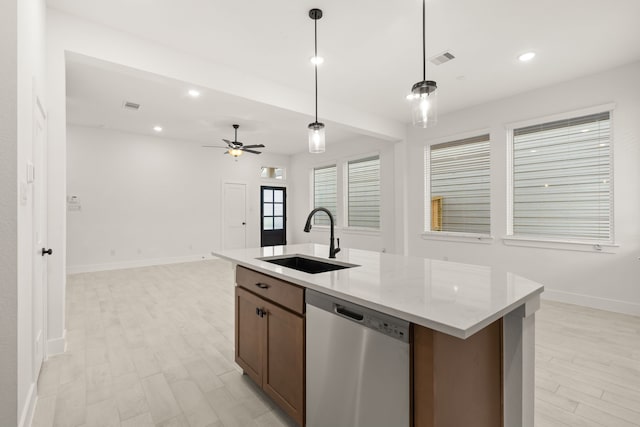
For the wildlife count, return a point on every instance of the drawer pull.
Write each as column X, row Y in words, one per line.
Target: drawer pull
column 262, row 285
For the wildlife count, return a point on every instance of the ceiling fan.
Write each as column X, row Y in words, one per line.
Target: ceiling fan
column 235, row 147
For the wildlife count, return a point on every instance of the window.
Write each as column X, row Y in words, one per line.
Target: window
column 562, row 179
column 458, row 198
column 273, row 208
column 363, row 192
column 325, row 193
column 271, row 172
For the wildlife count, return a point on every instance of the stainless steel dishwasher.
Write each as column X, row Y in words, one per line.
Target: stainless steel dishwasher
column 357, row 365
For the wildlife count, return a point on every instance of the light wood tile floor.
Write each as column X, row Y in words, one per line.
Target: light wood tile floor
column 154, row 347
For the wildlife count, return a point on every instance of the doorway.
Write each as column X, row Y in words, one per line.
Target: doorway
column 273, row 218
column 234, row 228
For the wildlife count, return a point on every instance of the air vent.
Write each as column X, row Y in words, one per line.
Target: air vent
column 441, row 58
column 128, row 105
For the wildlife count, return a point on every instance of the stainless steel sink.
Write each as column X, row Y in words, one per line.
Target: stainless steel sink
column 307, row 264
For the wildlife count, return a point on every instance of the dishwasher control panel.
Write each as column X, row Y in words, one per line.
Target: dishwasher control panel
column 380, row 322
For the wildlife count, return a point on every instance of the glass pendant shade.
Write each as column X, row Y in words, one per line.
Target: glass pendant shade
column 424, row 100
column 235, row 152
column 316, row 138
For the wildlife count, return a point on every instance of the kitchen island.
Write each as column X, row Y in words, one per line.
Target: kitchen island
column 472, row 326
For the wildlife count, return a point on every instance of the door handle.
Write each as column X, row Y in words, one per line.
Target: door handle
column 345, row 312
column 46, row 252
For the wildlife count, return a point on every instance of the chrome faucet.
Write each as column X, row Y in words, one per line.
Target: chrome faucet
column 307, row 227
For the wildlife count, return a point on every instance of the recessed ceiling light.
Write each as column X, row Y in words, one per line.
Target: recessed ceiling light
column 157, row 128
column 316, row 60
column 526, row 56
column 194, row 93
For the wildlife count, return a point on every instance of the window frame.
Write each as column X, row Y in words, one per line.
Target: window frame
column 590, row 245
column 455, row 236
column 345, row 193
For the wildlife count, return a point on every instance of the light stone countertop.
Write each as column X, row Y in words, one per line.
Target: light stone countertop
column 449, row 297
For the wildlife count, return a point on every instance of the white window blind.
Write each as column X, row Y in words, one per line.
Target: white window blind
column 562, row 179
column 460, row 186
column 325, row 194
column 363, row 192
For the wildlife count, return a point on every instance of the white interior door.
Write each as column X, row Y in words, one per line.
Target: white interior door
column 235, row 216
column 37, row 175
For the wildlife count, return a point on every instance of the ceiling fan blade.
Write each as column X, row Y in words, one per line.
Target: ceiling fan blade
column 254, row 146
column 251, row 151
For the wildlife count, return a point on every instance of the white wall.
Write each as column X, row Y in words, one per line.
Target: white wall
column 21, row 75
column 8, row 214
column 147, row 200
column 604, row 280
column 300, row 195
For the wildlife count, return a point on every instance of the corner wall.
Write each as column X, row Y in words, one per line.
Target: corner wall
column 601, row 280
column 8, row 213
column 21, row 77
column 148, row 200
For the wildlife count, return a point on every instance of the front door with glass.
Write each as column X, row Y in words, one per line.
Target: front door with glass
column 273, row 208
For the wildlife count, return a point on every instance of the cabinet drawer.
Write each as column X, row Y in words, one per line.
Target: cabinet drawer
column 284, row 293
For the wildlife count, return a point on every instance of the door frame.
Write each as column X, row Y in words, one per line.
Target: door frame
column 285, row 208
column 222, row 213
column 39, row 170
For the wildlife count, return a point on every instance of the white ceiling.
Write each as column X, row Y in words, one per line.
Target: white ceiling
column 372, row 48
column 97, row 90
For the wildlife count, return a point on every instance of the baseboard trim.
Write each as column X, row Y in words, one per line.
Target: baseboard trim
column 57, row 345
column 90, row 268
column 616, row 306
column 29, row 406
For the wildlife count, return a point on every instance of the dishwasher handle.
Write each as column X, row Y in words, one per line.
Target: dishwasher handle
column 349, row 314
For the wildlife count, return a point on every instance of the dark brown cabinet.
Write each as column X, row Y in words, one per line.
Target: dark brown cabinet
column 451, row 373
column 270, row 340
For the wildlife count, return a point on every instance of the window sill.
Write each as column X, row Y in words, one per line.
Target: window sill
column 458, row 237
column 567, row 245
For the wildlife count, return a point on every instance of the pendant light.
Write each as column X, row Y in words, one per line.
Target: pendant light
column 316, row 129
column 424, row 97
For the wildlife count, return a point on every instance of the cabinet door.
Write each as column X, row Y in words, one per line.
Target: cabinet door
column 283, row 376
column 250, row 334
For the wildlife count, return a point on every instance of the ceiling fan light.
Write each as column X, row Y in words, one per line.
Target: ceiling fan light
column 235, row 152
column 424, row 102
column 316, row 60
column 316, row 138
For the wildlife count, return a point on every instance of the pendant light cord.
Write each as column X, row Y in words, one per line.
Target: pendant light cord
column 424, row 40
column 315, row 31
